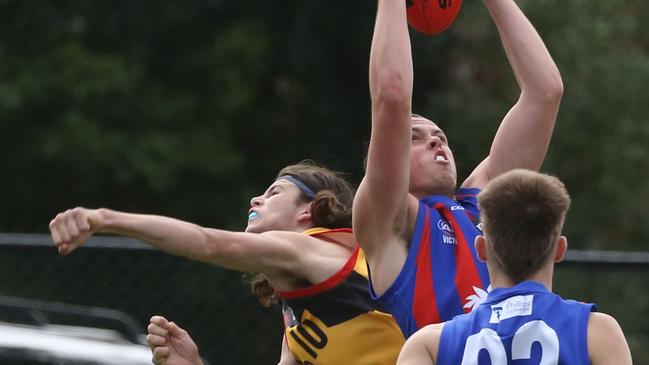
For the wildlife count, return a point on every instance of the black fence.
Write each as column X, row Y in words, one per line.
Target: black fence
column 226, row 322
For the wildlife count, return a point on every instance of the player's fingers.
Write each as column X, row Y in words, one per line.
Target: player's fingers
column 60, row 224
column 71, row 225
column 174, row 330
column 160, row 354
column 65, row 248
column 81, row 219
column 159, row 320
column 154, row 329
column 155, row 340
column 54, row 231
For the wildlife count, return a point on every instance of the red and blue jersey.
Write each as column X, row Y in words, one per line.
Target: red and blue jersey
column 442, row 276
column 519, row 325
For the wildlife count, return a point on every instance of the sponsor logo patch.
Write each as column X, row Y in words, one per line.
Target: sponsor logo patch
column 520, row 305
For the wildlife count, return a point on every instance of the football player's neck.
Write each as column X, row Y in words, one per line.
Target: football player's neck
column 501, row 280
column 426, row 191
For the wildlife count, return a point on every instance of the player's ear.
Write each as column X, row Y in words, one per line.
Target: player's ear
column 561, row 248
column 304, row 212
column 480, row 243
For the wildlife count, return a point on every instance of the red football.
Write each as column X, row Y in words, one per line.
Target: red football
column 432, row 16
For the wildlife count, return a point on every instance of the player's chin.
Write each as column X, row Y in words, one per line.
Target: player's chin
column 445, row 170
column 253, row 227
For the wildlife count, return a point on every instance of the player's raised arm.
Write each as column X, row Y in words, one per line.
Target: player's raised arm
column 380, row 207
column 524, row 135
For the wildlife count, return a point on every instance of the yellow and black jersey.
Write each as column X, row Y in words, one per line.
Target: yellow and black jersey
column 335, row 322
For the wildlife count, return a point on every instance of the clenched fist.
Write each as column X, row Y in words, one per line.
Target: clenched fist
column 70, row 229
column 170, row 344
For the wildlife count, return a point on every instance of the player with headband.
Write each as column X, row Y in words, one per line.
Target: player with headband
column 298, row 238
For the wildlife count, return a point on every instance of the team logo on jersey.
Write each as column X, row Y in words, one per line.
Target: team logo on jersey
column 474, row 300
column 445, row 226
column 448, row 234
column 520, row 305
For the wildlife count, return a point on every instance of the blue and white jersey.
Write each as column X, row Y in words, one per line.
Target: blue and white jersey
column 524, row 324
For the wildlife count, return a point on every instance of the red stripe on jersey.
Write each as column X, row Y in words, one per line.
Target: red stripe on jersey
column 334, row 280
column 424, row 306
column 466, row 272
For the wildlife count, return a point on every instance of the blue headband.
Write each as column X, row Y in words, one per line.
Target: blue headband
column 300, row 185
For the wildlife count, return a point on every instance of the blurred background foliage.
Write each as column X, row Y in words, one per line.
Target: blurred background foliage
column 189, row 108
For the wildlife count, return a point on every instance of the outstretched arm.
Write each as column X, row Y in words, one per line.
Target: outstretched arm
column 381, row 203
column 268, row 252
column 170, row 344
column 524, row 134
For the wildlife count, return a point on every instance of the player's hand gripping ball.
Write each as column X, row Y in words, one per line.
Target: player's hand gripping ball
column 432, row 16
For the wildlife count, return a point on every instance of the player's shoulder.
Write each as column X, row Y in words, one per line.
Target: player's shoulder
column 424, row 341
column 431, row 330
column 427, row 336
column 603, row 331
column 606, row 341
column 602, row 323
column 296, row 242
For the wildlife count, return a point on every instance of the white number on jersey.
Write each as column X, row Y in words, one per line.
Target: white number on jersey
column 533, row 331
